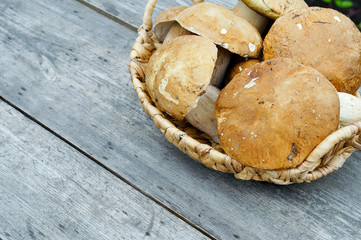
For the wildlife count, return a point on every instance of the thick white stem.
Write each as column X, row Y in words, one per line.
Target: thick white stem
column 350, row 109
column 219, row 71
column 202, row 116
column 258, row 21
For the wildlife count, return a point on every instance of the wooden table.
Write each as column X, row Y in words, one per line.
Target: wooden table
column 79, row 159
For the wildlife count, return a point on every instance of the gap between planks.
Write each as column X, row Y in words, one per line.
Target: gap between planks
column 106, row 168
column 104, row 13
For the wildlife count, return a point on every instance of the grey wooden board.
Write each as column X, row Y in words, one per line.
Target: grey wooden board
column 131, row 11
column 75, row 80
column 48, row 190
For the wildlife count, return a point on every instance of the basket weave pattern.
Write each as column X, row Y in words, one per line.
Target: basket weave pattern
column 327, row 157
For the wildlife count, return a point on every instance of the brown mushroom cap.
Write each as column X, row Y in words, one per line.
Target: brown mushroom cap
column 239, row 67
column 223, row 27
column 321, row 38
column 275, row 8
column 273, row 115
column 179, row 72
column 164, row 21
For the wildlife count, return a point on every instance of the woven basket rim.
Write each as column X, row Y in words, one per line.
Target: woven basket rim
column 327, row 157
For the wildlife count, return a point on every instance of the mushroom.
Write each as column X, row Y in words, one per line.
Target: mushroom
column 275, row 8
column 258, row 21
column 275, row 113
column 239, row 67
column 202, row 116
column 350, row 109
column 165, row 20
column 321, row 38
column 223, row 27
column 175, row 31
column 178, row 77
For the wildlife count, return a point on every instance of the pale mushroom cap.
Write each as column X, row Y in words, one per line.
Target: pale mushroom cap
column 223, row 27
column 273, row 115
column 321, row 38
column 164, row 21
column 275, row 8
column 179, row 72
column 257, row 20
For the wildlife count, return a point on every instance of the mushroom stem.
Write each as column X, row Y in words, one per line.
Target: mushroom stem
column 258, row 21
column 202, row 116
column 350, row 109
column 176, row 31
column 219, row 71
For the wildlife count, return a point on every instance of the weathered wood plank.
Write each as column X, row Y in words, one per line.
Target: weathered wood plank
column 131, row 11
column 79, row 87
column 48, row 190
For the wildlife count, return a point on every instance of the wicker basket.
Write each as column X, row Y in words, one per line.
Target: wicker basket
column 327, row 157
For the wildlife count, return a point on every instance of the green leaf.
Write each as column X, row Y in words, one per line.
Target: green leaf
column 359, row 25
column 327, row 1
column 338, row 3
column 344, row 4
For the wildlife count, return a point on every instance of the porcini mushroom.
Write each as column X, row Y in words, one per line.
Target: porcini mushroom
column 321, row 38
column 223, row 27
column 178, row 77
column 202, row 116
column 175, row 31
column 275, row 8
column 240, row 10
column 165, row 20
column 168, row 26
column 275, row 113
column 258, row 21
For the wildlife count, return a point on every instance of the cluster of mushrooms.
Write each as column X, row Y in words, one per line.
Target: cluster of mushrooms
column 268, row 101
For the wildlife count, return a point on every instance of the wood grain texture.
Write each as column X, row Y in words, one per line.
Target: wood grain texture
column 50, row 191
column 66, row 65
column 131, row 12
